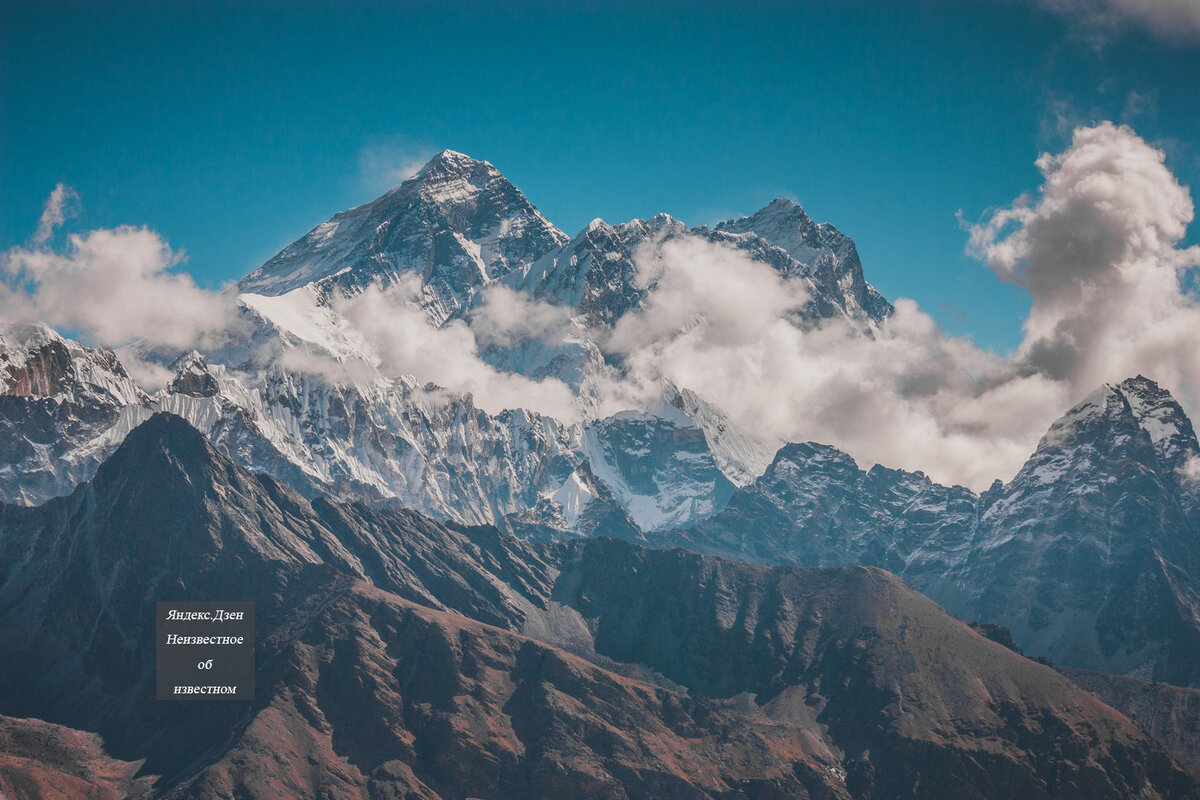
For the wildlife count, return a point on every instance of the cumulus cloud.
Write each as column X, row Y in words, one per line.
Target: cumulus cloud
column 726, row 327
column 393, row 320
column 59, row 205
column 110, row 287
column 1098, row 249
column 1172, row 20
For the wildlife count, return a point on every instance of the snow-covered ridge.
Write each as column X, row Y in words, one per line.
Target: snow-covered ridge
column 300, row 392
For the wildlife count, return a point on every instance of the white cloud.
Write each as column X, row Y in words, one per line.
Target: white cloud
column 725, row 326
column 393, row 321
column 1099, row 250
column 111, row 286
column 59, row 205
column 1097, row 247
column 1172, row 20
column 1191, row 469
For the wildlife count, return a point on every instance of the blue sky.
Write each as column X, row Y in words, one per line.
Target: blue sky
column 231, row 129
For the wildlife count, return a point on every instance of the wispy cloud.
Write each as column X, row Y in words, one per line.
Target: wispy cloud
column 386, row 164
column 1175, row 21
column 58, row 207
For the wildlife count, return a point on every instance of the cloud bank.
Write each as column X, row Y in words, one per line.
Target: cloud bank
column 1172, row 20
column 110, row 287
column 1098, row 249
column 726, row 327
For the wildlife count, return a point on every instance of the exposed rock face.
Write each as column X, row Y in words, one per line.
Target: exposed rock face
column 826, row 255
column 690, row 677
column 193, row 378
column 892, row 677
column 46, row 369
column 1170, row 714
column 595, row 272
column 60, row 404
column 1088, row 555
column 40, row 761
column 815, row 507
column 391, row 699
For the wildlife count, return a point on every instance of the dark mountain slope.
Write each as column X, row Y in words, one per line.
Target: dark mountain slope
column 755, row 682
column 920, row 705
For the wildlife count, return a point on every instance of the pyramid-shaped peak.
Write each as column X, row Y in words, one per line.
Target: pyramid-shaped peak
column 780, row 211
column 189, row 360
column 782, row 205
column 1145, row 387
column 193, row 377
column 1160, row 415
column 165, row 443
column 1112, row 411
column 452, row 162
column 167, row 431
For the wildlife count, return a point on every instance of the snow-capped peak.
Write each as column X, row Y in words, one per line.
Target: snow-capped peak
column 1160, row 415
column 825, row 254
column 459, row 223
column 1112, row 420
column 448, row 157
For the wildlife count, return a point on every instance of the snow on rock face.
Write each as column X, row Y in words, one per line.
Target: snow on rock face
column 740, row 456
column 1094, row 542
column 59, row 397
column 383, row 439
column 661, row 471
column 458, row 224
column 826, row 254
column 1163, row 419
column 595, row 272
column 573, row 498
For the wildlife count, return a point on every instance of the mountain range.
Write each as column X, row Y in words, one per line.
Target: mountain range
column 458, row 601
